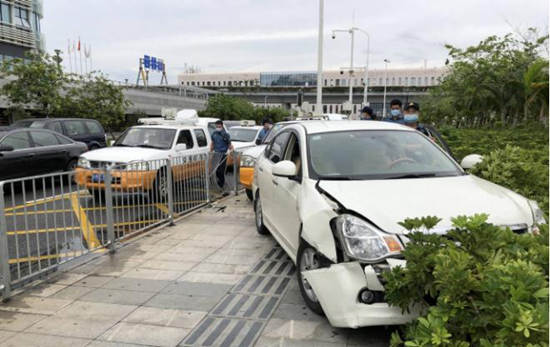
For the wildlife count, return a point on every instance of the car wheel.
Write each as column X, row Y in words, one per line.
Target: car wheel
column 159, row 192
column 71, row 165
column 93, row 147
column 249, row 194
column 258, row 212
column 308, row 259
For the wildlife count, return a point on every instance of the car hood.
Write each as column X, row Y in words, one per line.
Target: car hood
column 388, row 202
column 239, row 144
column 254, row 151
column 125, row 154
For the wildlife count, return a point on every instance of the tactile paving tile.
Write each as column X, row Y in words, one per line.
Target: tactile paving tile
column 240, row 316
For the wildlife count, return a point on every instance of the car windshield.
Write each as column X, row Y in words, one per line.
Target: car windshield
column 376, row 154
column 272, row 132
column 243, row 135
column 147, row 137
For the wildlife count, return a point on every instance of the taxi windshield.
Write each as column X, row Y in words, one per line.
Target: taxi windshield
column 243, row 135
column 376, row 154
column 157, row 138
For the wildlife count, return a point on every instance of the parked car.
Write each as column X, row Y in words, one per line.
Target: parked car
column 88, row 131
column 137, row 159
column 244, row 136
column 333, row 193
column 30, row 152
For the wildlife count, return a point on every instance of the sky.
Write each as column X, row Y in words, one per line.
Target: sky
column 276, row 35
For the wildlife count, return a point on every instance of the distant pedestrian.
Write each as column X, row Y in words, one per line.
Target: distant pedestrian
column 367, row 113
column 411, row 118
column 221, row 143
column 268, row 124
column 396, row 113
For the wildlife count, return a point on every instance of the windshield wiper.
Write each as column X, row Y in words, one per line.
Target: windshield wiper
column 149, row 146
column 337, row 178
column 411, row 175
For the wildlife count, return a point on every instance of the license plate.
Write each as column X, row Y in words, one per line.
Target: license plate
column 98, row 178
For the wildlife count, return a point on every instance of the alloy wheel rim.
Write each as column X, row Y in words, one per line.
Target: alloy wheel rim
column 308, row 261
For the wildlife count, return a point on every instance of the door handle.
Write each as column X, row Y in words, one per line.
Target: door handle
column 274, row 182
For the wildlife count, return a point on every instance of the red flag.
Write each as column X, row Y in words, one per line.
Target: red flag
column 79, row 43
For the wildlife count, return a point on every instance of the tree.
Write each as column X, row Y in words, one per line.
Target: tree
column 486, row 83
column 35, row 81
column 231, row 108
column 39, row 84
column 98, row 98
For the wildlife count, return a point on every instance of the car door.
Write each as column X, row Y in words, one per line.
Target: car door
column 272, row 155
column 21, row 161
column 50, row 155
column 285, row 194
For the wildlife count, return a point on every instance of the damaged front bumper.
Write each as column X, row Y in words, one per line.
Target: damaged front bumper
column 338, row 289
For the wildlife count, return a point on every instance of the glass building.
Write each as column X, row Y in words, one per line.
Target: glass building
column 288, row 79
column 20, row 27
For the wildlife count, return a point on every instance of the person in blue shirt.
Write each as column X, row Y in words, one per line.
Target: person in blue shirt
column 396, row 114
column 268, row 124
column 221, row 143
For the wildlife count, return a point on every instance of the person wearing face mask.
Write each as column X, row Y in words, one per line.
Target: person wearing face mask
column 367, row 113
column 410, row 118
column 221, row 143
column 396, row 116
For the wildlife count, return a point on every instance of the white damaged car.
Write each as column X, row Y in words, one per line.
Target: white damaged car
column 332, row 195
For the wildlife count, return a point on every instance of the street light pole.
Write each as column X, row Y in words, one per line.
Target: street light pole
column 319, row 102
column 386, row 61
column 352, row 32
column 366, row 77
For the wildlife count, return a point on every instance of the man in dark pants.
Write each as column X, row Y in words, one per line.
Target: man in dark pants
column 221, row 142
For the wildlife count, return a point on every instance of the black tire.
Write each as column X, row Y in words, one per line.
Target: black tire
column 159, row 193
column 71, row 165
column 249, row 195
column 259, row 218
column 307, row 292
column 93, row 147
column 99, row 195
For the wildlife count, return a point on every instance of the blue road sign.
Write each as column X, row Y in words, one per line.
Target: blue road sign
column 146, row 61
column 153, row 63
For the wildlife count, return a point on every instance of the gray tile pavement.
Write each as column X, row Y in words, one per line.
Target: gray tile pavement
column 211, row 279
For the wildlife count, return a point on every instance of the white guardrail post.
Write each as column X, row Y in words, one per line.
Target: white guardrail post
column 109, row 210
column 235, row 172
column 207, row 159
column 5, row 279
column 170, row 187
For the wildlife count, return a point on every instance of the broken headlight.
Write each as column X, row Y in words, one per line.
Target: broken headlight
column 362, row 241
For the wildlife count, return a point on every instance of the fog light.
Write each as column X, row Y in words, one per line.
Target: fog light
column 366, row 296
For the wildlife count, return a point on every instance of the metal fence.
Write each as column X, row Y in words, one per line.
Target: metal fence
column 49, row 220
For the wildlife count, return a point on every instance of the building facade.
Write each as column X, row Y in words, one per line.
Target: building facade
column 20, row 28
column 423, row 77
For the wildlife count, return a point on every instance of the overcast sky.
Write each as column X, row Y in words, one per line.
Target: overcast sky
column 276, row 35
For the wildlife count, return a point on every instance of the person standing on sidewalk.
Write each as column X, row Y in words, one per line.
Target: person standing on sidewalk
column 221, row 143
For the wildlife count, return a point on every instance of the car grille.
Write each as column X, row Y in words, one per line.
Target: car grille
column 94, row 164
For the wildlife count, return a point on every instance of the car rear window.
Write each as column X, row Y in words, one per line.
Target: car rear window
column 38, row 124
column 75, row 128
column 18, row 140
column 94, row 127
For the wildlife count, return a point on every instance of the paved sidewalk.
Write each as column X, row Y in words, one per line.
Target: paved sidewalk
column 211, row 280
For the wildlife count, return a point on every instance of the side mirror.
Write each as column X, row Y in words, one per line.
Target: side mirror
column 6, row 148
column 470, row 161
column 180, row 147
column 284, row 168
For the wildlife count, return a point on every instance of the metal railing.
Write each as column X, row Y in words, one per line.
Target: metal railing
column 49, row 220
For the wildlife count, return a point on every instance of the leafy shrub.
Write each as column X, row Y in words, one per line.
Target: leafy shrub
column 481, row 285
column 521, row 170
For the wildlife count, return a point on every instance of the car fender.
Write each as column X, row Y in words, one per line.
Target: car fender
column 316, row 212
